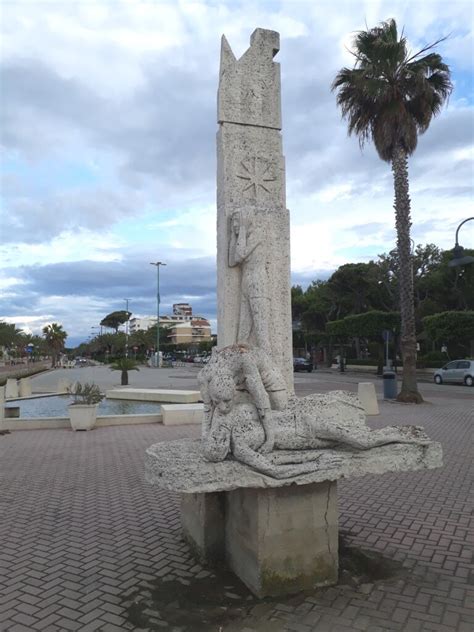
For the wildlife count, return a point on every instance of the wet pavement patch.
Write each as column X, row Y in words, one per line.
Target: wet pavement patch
column 194, row 605
column 218, row 601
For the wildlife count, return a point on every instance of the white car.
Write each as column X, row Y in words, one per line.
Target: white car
column 461, row 371
column 201, row 359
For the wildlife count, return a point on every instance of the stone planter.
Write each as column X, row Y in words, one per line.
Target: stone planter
column 83, row 416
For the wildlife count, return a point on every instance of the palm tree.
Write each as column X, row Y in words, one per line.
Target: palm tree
column 389, row 97
column 55, row 337
column 124, row 365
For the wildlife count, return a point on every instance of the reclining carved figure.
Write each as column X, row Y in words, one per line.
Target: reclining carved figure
column 307, row 424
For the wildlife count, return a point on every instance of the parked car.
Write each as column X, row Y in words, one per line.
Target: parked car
column 204, row 359
column 461, row 371
column 82, row 362
column 302, row 364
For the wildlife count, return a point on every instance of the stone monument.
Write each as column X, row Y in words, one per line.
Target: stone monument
column 259, row 490
column 253, row 227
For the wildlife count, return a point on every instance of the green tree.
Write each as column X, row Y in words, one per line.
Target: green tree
column 369, row 326
column 55, row 337
column 11, row 338
column 164, row 338
column 452, row 328
column 205, row 346
column 389, row 97
column 9, row 334
column 115, row 319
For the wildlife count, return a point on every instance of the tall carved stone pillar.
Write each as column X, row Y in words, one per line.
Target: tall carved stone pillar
column 253, row 232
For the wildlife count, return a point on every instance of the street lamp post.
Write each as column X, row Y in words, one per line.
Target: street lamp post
column 157, row 264
column 126, row 326
column 94, row 333
column 459, row 258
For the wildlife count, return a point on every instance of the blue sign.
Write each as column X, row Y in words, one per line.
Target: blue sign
column 387, row 335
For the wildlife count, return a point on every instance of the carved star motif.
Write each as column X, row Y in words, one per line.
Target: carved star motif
column 257, row 173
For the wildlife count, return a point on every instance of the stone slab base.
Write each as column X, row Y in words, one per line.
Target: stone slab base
column 277, row 541
column 178, row 466
column 155, row 395
column 180, row 414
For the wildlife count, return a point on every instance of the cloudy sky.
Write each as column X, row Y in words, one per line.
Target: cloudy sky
column 108, row 142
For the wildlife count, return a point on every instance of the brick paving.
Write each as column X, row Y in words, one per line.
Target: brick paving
column 81, row 531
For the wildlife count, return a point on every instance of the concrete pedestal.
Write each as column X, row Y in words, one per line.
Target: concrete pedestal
column 278, row 535
column 277, row 541
column 202, row 520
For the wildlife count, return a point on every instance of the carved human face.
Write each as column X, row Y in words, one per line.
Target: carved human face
column 224, row 405
column 222, row 390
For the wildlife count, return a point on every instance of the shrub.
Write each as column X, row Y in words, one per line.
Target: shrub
column 86, row 394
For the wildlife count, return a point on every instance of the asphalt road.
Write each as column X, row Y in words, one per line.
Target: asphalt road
column 184, row 378
column 322, row 381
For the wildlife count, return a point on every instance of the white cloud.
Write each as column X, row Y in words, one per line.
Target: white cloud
column 68, row 246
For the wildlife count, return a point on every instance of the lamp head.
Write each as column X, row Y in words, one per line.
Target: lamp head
column 459, row 258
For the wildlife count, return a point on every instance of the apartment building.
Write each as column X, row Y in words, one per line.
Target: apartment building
column 192, row 331
column 183, row 326
column 183, row 309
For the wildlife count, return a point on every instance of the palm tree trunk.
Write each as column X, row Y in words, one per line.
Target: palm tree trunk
column 124, row 378
column 409, row 392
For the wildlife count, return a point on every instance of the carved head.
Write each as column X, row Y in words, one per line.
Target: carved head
column 222, row 391
column 242, row 217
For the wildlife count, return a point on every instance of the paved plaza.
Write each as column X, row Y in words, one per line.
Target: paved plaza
column 88, row 545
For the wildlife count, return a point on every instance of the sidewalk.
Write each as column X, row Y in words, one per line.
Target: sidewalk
column 87, row 542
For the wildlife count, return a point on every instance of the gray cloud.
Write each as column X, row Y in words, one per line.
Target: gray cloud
column 105, row 284
column 160, row 139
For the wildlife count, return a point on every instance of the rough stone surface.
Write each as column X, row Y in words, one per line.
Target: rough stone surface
column 249, row 88
column 253, row 245
column 2, row 402
column 285, row 540
column 178, row 466
column 249, row 432
column 368, row 398
column 202, row 521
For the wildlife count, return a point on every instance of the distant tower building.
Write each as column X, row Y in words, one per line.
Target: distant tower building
column 183, row 309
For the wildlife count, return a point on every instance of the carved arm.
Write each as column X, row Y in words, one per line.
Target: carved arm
column 243, row 453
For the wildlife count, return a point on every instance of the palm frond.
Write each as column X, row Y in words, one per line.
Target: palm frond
column 390, row 97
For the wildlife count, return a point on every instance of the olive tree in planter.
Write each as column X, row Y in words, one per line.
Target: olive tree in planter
column 83, row 411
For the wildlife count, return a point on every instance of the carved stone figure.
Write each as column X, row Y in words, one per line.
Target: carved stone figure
column 306, row 425
column 247, row 250
column 237, row 369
